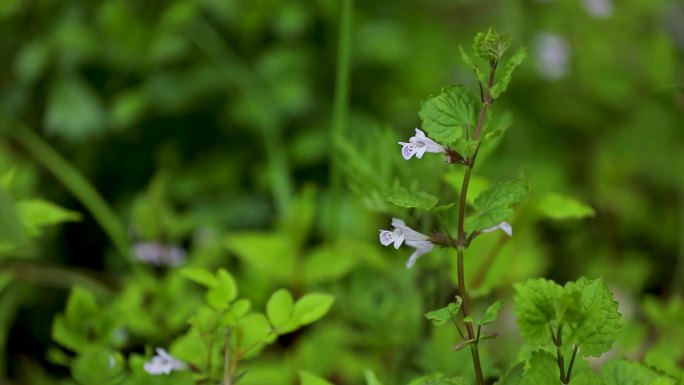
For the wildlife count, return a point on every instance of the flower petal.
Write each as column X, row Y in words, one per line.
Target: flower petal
column 503, row 226
column 388, row 237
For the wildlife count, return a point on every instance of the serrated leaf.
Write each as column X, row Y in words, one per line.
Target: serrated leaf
column 199, row 275
column 560, row 207
column 492, row 312
column 490, row 46
column 403, row 197
column 312, row 307
column 600, row 326
column 441, row 316
column 512, row 63
column 279, row 307
column 513, row 376
column 446, row 116
column 307, row 378
column 38, row 213
column 492, row 205
column 623, row 372
column 535, row 307
column 542, row 369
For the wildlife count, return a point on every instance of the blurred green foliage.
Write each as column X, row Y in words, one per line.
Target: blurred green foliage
column 206, row 125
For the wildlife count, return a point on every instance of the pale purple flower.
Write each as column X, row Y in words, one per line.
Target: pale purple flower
column 158, row 254
column 553, row 56
column 418, row 145
column 503, row 226
column 404, row 234
column 163, row 363
column 600, row 9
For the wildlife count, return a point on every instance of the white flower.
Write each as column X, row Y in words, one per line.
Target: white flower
column 419, row 145
column 553, row 56
column 158, row 254
column 503, row 226
column 404, row 234
column 163, row 363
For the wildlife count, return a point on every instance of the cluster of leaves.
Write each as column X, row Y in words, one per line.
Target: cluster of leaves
column 222, row 332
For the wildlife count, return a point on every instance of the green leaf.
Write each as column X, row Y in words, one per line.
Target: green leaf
column 74, row 110
column 492, row 205
column 535, row 307
column 312, row 307
column 329, row 263
column 494, row 130
column 600, row 327
column 279, row 307
column 542, row 369
column 586, row 378
column 512, row 63
column 11, row 229
column 191, row 349
column 237, row 309
column 492, row 312
column 370, row 377
column 307, row 378
column 254, row 331
column 560, row 207
column 225, row 291
column 271, row 253
column 469, row 61
column 441, row 316
column 446, row 116
column 98, row 366
column 38, row 213
column 490, row 46
column 623, row 372
column 513, row 376
column 402, row 197
column 199, row 275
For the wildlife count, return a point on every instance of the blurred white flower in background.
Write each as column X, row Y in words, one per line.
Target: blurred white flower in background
column 552, row 55
column 600, row 9
column 158, row 254
column 163, row 363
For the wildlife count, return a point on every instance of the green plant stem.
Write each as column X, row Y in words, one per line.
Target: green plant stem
column 461, row 242
column 341, row 98
column 559, row 355
column 575, row 349
column 75, row 183
column 227, row 369
column 465, row 307
column 55, row 276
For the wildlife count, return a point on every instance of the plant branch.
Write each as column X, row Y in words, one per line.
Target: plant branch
column 559, row 354
column 461, row 242
column 227, row 369
column 575, row 349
